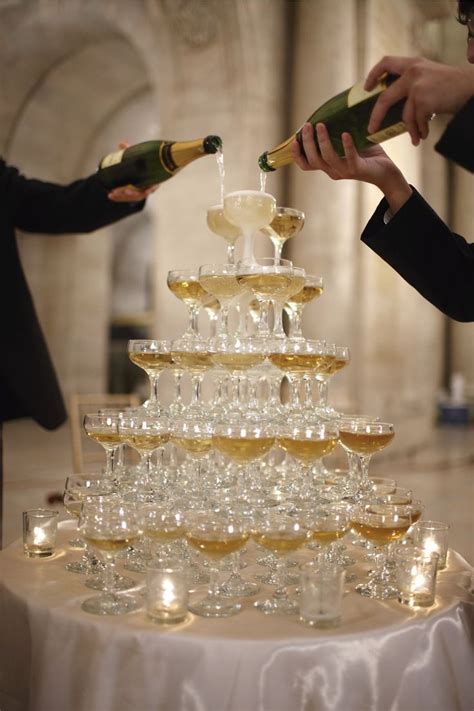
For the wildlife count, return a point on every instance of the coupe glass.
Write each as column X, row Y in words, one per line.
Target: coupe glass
column 153, row 357
column 382, row 524
column 220, row 280
column 220, row 225
column 76, row 488
column 338, row 358
column 363, row 439
column 287, row 223
column 184, row 284
column 108, row 531
column 250, row 210
column 162, row 528
column 312, row 289
column 244, row 442
column 193, row 356
column 146, row 434
column 296, row 284
column 327, row 524
column 104, row 429
column 237, row 355
column 280, row 534
column 267, row 279
column 307, row 443
column 297, row 359
column 215, row 536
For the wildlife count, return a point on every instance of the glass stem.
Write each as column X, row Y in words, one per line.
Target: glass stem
column 295, row 315
column 153, row 399
column 213, row 589
column 231, row 252
column 278, row 329
column 193, row 310
column 224, row 320
column 280, row 571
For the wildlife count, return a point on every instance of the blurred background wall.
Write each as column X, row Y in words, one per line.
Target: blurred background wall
column 78, row 76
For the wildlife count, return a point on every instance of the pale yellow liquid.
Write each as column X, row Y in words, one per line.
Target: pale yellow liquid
column 194, row 445
column 217, row 546
column 111, row 545
column 147, row 442
column 338, row 364
column 238, row 361
column 220, row 225
column 193, row 361
column 305, row 295
column 383, row 532
column 363, row 443
column 224, row 286
column 187, row 290
column 249, row 209
column 243, row 449
column 164, row 534
column 73, row 508
column 266, row 285
column 281, row 542
column 307, row 450
column 326, row 367
column 297, row 362
column 110, row 439
column 151, row 361
column 327, row 537
column 287, row 225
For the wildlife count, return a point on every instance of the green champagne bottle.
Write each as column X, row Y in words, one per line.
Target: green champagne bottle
column 152, row 162
column 348, row 111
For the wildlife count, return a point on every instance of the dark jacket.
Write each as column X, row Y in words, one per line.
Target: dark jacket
column 438, row 263
column 28, row 383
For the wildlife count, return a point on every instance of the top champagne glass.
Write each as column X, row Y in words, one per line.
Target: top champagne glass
column 250, row 210
column 287, row 223
column 220, row 225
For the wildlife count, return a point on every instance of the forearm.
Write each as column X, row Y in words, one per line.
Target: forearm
column 82, row 206
column 395, row 189
column 424, row 251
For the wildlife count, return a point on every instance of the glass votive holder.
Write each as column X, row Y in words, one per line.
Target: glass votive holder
column 416, row 576
column 322, row 590
column 40, row 527
column 166, row 591
column 432, row 536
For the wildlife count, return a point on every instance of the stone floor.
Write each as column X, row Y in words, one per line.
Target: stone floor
column 441, row 474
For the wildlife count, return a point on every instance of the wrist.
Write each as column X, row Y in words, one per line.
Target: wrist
column 396, row 191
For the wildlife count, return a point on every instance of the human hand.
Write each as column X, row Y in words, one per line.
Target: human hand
column 371, row 166
column 429, row 87
column 130, row 193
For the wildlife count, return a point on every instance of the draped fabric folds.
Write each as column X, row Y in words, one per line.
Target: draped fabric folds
column 383, row 657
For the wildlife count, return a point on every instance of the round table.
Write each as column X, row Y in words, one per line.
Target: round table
column 383, row 656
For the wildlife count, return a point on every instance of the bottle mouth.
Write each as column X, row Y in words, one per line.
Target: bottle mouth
column 212, row 144
column 264, row 164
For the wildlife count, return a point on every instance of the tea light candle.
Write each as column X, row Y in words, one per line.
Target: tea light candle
column 416, row 576
column 432, row 536
column 166, row 591
column 39, row 532
column 322, row 589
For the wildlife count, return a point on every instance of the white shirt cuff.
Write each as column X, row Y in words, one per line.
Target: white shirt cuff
column 387, row 216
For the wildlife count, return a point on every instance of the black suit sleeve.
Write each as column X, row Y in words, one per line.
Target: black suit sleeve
column 438, row 263
column 81, row 206
column 457, row 142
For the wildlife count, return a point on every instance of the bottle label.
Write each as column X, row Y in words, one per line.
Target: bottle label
column 386, row 133
column 357, row 94
column 112, row 159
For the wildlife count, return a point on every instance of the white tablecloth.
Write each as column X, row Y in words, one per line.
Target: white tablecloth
column 383, row 657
